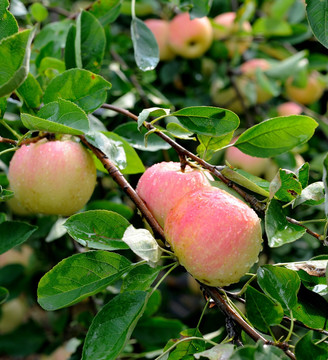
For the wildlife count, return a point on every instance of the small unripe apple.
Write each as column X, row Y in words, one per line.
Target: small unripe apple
column 160, row 29
column 308, row 94
column 215, row 236
column 289, row 108
column 52, row 177
column 190, row 38
column 237, row 37
column 252, row 164
column 226, row 98
column 13, row 314
column 164, row 184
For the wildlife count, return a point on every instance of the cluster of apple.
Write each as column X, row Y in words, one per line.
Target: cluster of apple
column 51, row 177
column 214, row 235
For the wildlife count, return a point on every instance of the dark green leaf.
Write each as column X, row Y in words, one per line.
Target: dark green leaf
column 60, row 116
column 317, row 16
column 146, row 52
column 277, row 135
column 70, row 53
column 106, row 11
column 13, row 233
column 48, row 64
column 279, row 231
column 303, row 174
column 259, row 352
column 285, row 186
column 113, row 149
column 5, row 194
column 207, row 120
column 4, row 293
column 85, row 89
column 306, row 349
column 78, row 277
column 179, row 131
column 325, row 181
column 3, row 106
column 31, row 91
column 8, row 23
column 279, row 283
column 312, row 278
column 146, row 113
column 190, row 347
column 121, row 209
column 130, row 133
column 140, row 277
column 262, row 312
column 90, row 42
column 98, row 229
column 314, row 194
column 209, row 144
column 15, row 57
column 113, row 326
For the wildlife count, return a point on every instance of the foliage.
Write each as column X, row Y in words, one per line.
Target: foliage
column 100, row 285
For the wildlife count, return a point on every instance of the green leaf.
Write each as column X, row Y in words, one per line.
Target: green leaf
column 113, row 149
column 271, row 27
column 154, row 111
column 280, row 284
column 39, row 12
column 90, row 42
column 314, row 194
column 5, row 194
column 134, row 164
column 14, row 233
column 98, row 229
column 200, row 8
column 70, row 56
column 31, row 91
column 3, row 106
column 106, row 11
column 285, row 186
column 221, row 351
column 279, row 231
column 209, row 144
column 306, row 348
column 130, row 133
column 146, row 52
column 259, row 352
column 303, row 174
column 325, row 181
column 207, row 120
column 51, row 63
column 187, row 347
column 15, row 57
column 317, row 284
column 85, row 89
column 140, row 277
column 142, row 243
column 113, row 325
column 60, row 116
column 78, row 277
column 121, row 209
column 249, row 181
column 179, row 131
column 4, row 294
column 8, row 23
column 262, row 312
column 276, row 135
column 317, row 16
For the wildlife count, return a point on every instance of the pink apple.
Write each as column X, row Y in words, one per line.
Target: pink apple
column 253, row 165
column 52, row 177
column 237, row 37
column 215, row 236
column 164, row 184
column 160, row 29
column 308, row 94
column 289, row 108
column 190, row 38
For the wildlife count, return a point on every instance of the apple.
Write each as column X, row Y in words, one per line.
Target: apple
column 236, row 37
column 190, row 38
column 52, row 177
column 214, row 235
column 226, row 97
column 164, row 184
column 160, row 29
column 13, row 314
column 308, row 94
column 289, row 108
column 17, row 256
column 253, row 165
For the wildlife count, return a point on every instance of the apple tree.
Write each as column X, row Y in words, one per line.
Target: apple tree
column 97, row 265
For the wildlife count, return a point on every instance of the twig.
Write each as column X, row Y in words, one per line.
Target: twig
column 8, row 141
column 300, row 324
column 310, row 232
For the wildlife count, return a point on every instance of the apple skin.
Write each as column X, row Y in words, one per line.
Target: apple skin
column 252, row 164
column 160, row 29
column 289, row 108
column 214, row 235
column 52, row 177
column 190, row 38
column 228, row 32
column 164, row 184
column 309, row 94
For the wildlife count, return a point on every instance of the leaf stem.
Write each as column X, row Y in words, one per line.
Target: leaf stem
column 290, row 333
column 133, row 9
column 175, row 265
column 8, row 127
column 203, row 313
